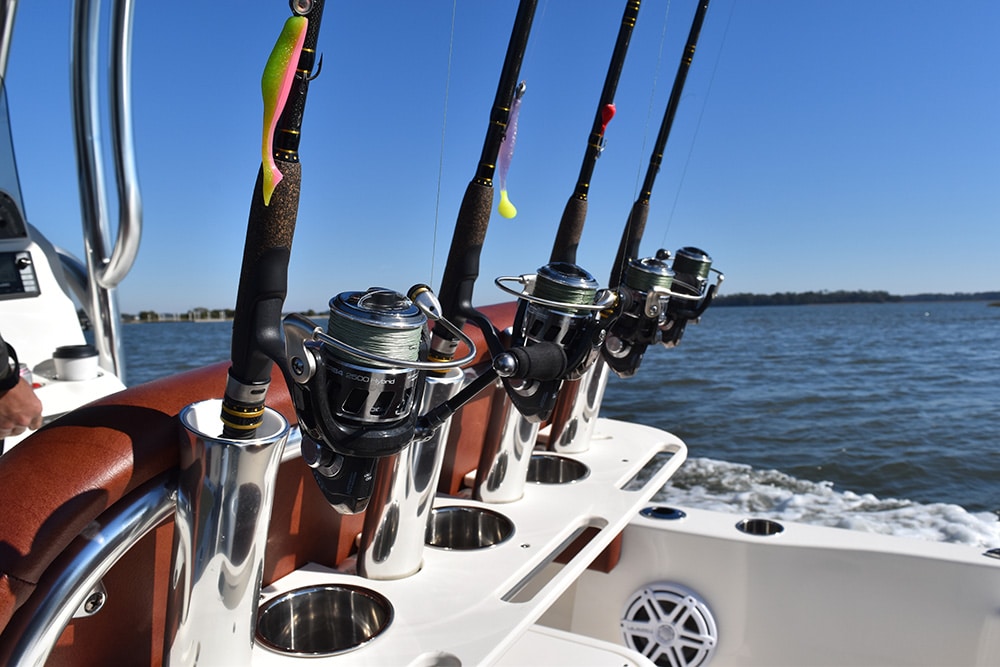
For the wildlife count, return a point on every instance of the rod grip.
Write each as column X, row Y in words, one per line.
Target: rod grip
column 542, row 361
column 628, row 247
column 462, row 268
column 257, row 335
column 570, row 230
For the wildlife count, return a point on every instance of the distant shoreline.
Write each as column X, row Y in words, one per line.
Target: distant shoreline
column 738, row 299
column 843, row 296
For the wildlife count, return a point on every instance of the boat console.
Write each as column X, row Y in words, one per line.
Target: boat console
column 40, row 319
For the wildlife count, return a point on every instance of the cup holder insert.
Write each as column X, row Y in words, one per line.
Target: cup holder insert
column 462, row 527
column 760, row 527
column 322, row 620
column 552, row 469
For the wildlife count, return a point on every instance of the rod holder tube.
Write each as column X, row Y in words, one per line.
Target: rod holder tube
column 225, row 490
column 392, row 540
column 577, row 407
column 503, row 464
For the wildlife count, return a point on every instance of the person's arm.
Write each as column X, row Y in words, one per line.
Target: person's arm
column 20, row 409
column 4, row 361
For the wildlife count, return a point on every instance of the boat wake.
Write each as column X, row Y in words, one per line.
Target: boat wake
column 738, row 488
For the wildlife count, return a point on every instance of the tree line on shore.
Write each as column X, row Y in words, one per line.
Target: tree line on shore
column 738, row 299
column 843, row 296
column 193, row 315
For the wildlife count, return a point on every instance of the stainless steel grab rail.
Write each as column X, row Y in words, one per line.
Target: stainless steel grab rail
column 105, row 270
column 86, row 562
column 7, row 12
column 129, row 198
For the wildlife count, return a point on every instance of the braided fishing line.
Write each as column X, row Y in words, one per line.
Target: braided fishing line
column 645, row 274
column 403, row 345
column 697, row 127
column 444, row 131
column 565, row 283
column 378, row 322
column 649, row 110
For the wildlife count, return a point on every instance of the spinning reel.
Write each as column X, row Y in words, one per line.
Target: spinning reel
column 560, row 314
column 357, row 386
column 657, row 300
column 691, row 291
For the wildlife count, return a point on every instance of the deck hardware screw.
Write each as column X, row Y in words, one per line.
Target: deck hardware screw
column 94, row 603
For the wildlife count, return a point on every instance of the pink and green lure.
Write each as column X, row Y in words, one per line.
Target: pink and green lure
column 506, row 208
column 275, row 84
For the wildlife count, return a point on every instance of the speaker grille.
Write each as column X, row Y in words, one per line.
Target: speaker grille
column 670, row 625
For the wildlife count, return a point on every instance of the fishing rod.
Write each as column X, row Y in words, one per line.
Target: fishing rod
column 385, row 357
column 635, row 226
column 657, row 298
column 462, row 267
column 257, row 330
column 575, row 213
column 560, row 305
column 545, row 362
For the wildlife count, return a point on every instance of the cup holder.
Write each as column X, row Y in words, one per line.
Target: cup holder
column 322, row 620
column 463, row 528
column 551, row 469
column 760, row 527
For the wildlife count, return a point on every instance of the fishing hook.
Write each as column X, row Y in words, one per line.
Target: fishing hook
column 319, row 67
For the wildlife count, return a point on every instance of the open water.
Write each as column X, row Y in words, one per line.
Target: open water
column 880, row 417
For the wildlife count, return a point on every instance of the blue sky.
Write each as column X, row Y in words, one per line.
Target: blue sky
column 819, row 145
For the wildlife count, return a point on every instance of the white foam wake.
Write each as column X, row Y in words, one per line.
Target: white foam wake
column 737, row 488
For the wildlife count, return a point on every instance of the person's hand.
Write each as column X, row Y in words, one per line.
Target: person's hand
column 20, row 409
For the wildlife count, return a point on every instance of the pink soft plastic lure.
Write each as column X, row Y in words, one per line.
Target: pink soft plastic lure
column 275, row 84
column 506, row 208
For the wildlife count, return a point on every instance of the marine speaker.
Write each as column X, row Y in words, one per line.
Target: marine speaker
column 670, row 625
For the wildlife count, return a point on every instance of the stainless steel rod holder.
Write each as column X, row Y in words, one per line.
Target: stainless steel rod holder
column 225, row 490
column 576, row 412
column 392, row 542
column 503, row 465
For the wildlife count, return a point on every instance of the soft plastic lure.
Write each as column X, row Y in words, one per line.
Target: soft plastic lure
column 506, row 208
column 275, row 84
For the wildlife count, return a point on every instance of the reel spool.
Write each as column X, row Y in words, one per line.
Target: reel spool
column 671, row 625
column 559, row 307
column 357, row 386
column 363, row 392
